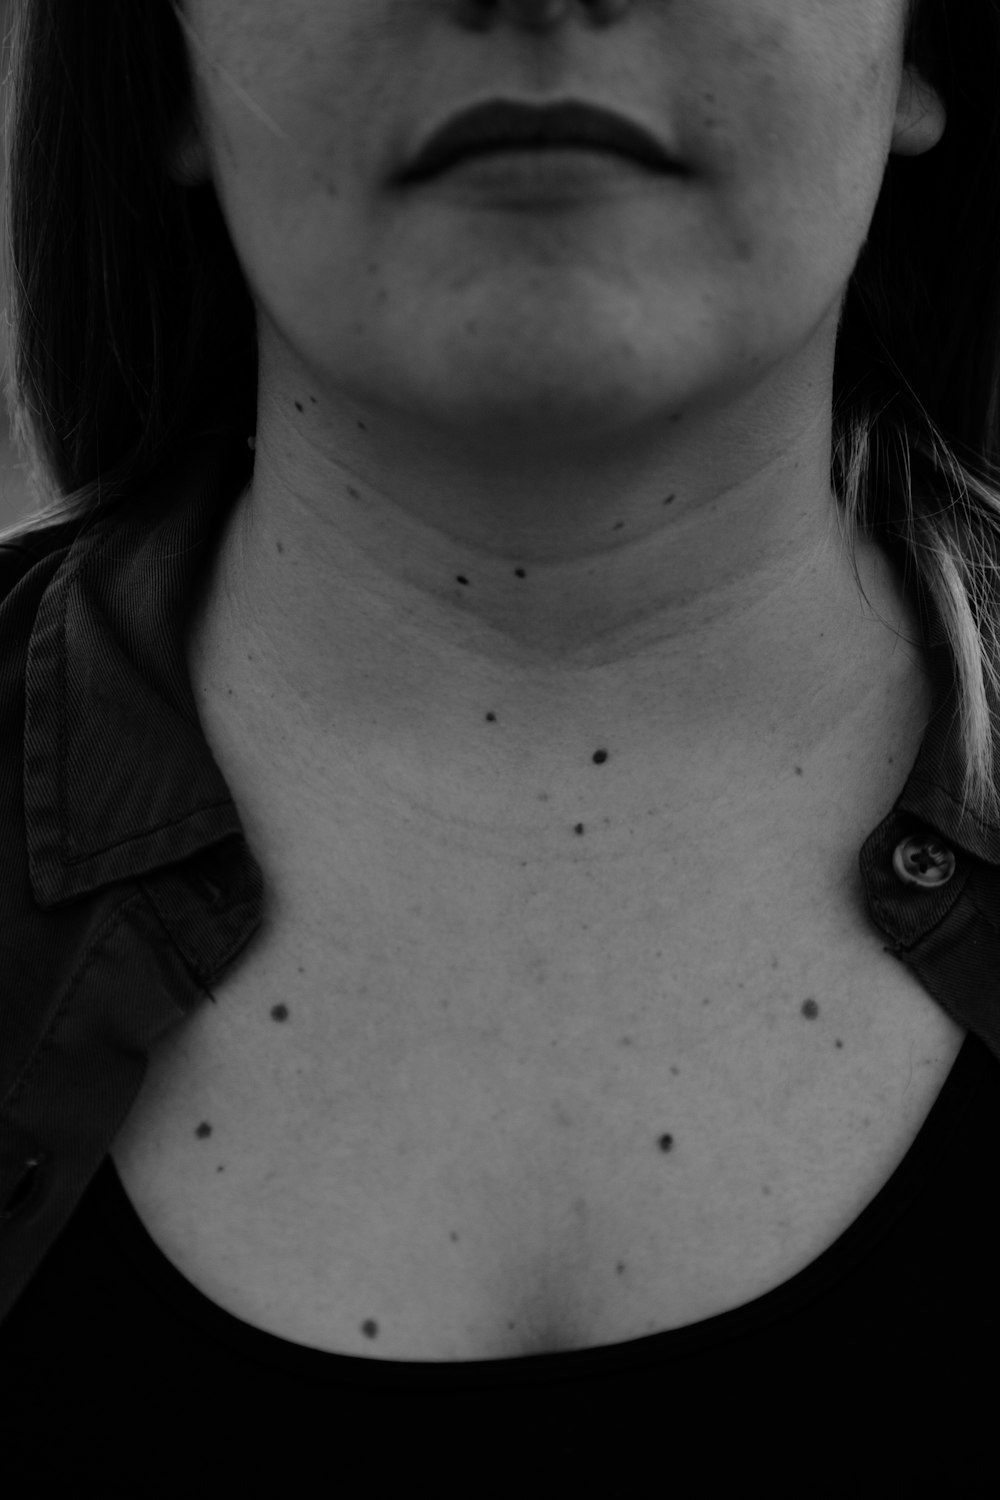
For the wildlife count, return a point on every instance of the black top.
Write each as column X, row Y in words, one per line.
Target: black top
column 871, row 1372
column 127, row 887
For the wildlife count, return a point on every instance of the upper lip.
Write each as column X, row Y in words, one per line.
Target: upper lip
column 499, row 123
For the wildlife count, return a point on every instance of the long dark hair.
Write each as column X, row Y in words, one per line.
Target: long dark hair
column 131, row 321
column 132, row 326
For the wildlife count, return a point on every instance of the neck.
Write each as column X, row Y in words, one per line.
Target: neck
column 494, row 700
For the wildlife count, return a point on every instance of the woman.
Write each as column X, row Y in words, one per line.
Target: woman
column 558, row 1050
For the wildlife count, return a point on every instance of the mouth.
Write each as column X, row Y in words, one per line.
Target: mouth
column 551, row 178
column 528, row 133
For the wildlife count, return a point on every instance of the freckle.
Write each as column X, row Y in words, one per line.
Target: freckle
column 810, row 1009
column 766, row 1190
column 491, row 718
column 839, row 1042
column 619, row 527
column 620, row 1268
column 460, row 579
column 220, row 1169
column 453, row 1236
column 370, row 1328
column 204, row 1129
column 665, row 1142
column 363, row 427
column 670, row 500
column 798, row 771
column 600, row 756
column 674, row 1069
column 313, row 400
column 279, row 1012
column 281, row 548
column 578, row 828
column 520, row 573
column 353, row 492
column 625, row 1041
column 299, row 406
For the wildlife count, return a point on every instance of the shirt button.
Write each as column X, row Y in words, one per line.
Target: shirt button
column 25, row 1189
column 925, row 862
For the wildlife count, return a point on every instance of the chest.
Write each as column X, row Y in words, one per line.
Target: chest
column 439, row 1153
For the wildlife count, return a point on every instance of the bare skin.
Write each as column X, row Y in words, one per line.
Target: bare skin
column 536, row 665
column 609, row 416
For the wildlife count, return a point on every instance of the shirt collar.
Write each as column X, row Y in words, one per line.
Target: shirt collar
column 119, row 779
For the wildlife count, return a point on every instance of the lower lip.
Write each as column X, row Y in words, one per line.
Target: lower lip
column 547, row 174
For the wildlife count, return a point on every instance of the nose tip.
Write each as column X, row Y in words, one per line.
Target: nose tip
column 536, row 14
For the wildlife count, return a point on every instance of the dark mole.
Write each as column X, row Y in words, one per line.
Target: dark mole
column 491, row 718
column 203, row 1130
column 665, row 1142
column 299, row 406
column 810, row 1009
column 462, row 580
column 279, row 1012
column 600, row 756
column 670, row 500
column 798, row 771
column 370, row 1328
column 520, row 573
column 619, row 527
column 313, row 400
column 578, row 828
column 281, row 548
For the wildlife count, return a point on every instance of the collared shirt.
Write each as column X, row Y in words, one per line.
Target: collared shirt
column 127, row 885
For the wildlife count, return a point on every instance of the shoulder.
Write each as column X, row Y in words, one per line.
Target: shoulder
column 44, row 547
